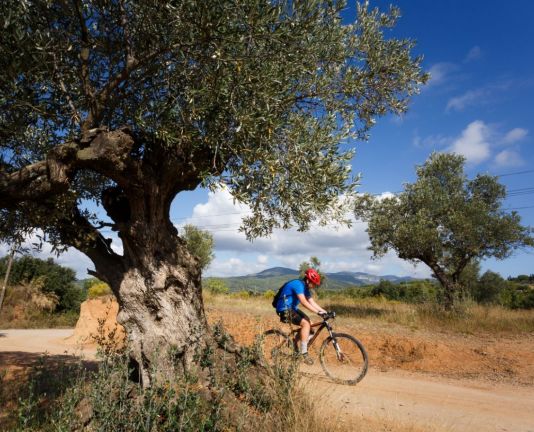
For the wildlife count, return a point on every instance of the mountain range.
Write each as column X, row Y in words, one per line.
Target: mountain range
column 273, row 278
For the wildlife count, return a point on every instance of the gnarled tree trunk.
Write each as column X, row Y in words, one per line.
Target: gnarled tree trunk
column 449, row 284
column 162, row 312
column 156, row 280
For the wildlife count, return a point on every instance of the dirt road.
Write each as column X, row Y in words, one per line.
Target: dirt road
column 50, row 341
column 432, row 403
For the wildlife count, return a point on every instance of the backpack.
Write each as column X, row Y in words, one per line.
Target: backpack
column 277, row 296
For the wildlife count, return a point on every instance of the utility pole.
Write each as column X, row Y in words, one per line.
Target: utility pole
column 6, row 278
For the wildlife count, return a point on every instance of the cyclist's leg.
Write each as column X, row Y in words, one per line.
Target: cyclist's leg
column 305, row 327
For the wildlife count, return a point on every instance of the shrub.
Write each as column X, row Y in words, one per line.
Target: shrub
column 98, row 289
column 269, row 294
column 54, row 279
column 215, row 286
column 241, row 396
column 242, row 294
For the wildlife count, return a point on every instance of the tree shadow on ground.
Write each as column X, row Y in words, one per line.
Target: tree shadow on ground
column 23, row 359
column 25, row 375
column 358, row 311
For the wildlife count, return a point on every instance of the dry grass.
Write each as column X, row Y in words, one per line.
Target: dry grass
column 26, row 306
column 468, row 318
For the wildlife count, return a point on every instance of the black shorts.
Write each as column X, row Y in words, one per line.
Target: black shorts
column 293, row 316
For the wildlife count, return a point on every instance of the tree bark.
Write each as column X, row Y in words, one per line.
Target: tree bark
column 156, row 281
column 162, row 311
column 450, row 286
column 6, row 278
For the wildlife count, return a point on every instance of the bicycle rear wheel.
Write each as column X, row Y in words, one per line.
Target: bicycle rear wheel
column 275, row 345
column 347, row 364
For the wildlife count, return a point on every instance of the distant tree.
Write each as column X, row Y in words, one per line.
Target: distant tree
column 313, row 263
column 469, row 278
column 130, row 103
column 445, row 221
column 522, row 278
column 216, row 286
column 200, row 244
column 53, row 278
column 489, row 288
column 385, row 289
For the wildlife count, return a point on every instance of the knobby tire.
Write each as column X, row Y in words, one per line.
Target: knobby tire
column 275, row 346
column 352, row 367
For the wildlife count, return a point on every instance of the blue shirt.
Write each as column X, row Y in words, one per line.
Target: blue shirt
column 288, row 296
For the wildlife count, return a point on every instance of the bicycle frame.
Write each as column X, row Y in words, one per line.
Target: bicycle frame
column 322, row 324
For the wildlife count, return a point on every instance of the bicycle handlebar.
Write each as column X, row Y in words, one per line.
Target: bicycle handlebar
column 328, row 315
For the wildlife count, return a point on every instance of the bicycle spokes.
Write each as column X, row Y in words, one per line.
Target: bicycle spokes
column 343, row 358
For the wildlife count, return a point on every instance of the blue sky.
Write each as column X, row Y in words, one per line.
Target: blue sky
column 478, row 102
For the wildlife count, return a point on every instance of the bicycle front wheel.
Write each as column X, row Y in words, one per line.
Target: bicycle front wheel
column 275, row 346
column 344, row 358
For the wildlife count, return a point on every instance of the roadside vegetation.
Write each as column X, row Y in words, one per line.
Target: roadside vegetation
column 416, row 305
column 224, row 393
column 40, row 294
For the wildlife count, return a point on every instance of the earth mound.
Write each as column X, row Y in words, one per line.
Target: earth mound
column 98, row 319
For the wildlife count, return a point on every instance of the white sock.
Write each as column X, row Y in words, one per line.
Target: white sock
column 304, row 347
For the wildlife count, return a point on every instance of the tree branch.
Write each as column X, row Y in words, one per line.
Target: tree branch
column 84, row 55
column 106, row 153
column 76, row 231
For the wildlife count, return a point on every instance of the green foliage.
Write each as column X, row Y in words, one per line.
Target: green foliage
column 241, row 396
column 314, row 263
column 469, row 279
column 444, row 220
column 409, row 292
column 489, row 288
column 54, row 279
column 200, row 244
column 257, row 96
column 528, row 279
column 269, row 294
column 27, row 306
column 517, row 296
column 215, row 286
column 98, row 289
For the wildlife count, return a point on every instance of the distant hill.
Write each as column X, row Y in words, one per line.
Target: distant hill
column 273, row 278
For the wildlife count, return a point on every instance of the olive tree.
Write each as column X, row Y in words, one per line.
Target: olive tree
column 444, row 220
column 127, row 103
column 199, row 243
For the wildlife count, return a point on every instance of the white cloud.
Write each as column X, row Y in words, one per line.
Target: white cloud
column 434, row 142
column 471, row 97
column 339, row 248
column 474, row 54
column 440, row 73
column 480, row 96
column 515, row 135
column 508, row 158
column 232, row 267
column 473, row 143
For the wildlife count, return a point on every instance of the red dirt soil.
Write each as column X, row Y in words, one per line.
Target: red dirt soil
column 506, row 359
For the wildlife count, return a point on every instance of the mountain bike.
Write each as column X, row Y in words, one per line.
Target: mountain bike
column 342, row 356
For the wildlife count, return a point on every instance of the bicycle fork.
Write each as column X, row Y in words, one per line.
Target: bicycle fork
column 339, row 354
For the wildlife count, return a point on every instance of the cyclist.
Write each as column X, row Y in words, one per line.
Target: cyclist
column 293, row 293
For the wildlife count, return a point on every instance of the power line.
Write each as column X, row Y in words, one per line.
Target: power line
column 222, row 214
column 519, row 208
column 515, row 173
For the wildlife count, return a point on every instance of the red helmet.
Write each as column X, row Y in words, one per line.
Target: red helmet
column 313, row 276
